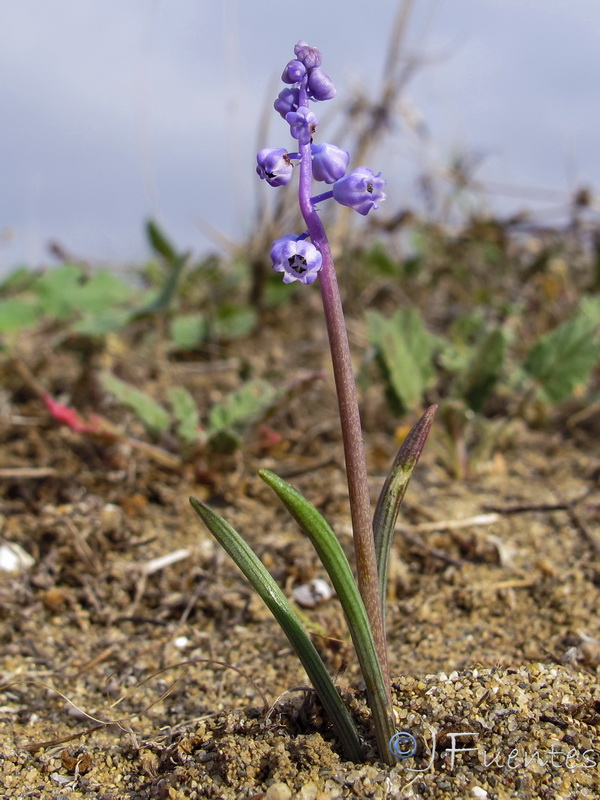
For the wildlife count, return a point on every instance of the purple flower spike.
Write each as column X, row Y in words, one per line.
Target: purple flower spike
column 287, row 100
column 320, row 86
column 309, row 56
column 329, row 162
column 297, row 259
column 274, row 166
column 302, row 124
column 360, row 190
column 294, row 72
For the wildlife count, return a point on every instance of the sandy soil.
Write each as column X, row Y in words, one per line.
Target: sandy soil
column 137, row 663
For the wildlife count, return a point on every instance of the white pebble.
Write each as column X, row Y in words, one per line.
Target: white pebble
column 278, row 791
column 14, row 559
column 313, row 593
column 307, row 792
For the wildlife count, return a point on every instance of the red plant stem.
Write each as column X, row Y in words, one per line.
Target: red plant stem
column 354, row 452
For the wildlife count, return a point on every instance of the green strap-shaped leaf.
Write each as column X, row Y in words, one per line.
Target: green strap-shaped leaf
column 278, row 605
column 392, row 494
column 335, row 562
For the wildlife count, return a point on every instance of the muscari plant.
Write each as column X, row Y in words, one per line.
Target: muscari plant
column 306, row 258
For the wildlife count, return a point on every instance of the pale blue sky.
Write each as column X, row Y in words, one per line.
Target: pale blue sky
column 114, row 111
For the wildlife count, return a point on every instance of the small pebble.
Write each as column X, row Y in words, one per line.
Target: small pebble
column 313, row 593
column 111, row 518
column 14, row 559
column 307, row 792
column 278, row 791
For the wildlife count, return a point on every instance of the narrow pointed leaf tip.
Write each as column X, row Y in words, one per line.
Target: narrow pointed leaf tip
column 392, row 494
column 412, row 446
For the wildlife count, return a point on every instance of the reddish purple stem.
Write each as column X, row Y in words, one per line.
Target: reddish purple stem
column 356, row 467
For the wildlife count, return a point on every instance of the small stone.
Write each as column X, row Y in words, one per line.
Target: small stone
column 313, row 593
column 307, row 792
column 590, row 652
column 278, row 791
column 13, row 558
column 111, row 518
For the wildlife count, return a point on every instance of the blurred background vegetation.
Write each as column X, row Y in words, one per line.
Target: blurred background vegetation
column 496, row 319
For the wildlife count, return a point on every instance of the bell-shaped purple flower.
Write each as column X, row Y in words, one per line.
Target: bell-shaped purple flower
column 329, row 162
column 287, row 100
column 361, row 190
column 274, row 166
column 297, row 259
column 309, row 56
column 320, row 86
column 294, row 72
column 302, row 124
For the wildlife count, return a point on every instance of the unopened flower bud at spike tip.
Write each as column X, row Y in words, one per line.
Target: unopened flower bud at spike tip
column 309, row 56
column 274, row 166
column 360, row 189
column 297, row 259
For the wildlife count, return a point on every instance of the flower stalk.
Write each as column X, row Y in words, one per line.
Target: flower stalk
column 306, row 257
column 345, row 384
